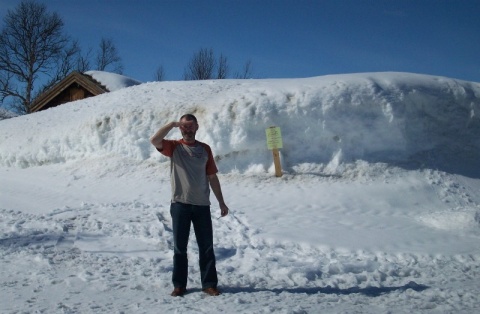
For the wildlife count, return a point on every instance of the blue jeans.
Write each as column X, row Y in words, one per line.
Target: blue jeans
column 183, row 215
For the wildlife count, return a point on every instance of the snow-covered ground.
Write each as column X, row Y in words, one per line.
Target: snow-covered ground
column 378, row 210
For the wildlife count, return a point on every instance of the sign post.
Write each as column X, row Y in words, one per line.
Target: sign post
column 274, row 142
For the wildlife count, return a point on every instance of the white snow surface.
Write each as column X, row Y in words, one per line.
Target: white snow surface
column 377, row 211
column 113, row 81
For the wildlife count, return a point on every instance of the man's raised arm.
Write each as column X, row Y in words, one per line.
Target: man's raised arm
column 158, row 137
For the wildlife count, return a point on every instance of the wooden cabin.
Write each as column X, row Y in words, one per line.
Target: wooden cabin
column 75, row 86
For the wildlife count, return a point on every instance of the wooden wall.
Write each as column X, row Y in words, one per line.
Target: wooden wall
column 73, row 92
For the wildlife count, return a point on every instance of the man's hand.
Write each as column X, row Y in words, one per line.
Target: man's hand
column 223, row 210
column 217, row 190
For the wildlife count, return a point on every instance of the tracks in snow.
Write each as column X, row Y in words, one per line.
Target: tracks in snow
column 127, row 247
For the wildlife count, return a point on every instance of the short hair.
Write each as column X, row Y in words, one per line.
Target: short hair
column 189, row 117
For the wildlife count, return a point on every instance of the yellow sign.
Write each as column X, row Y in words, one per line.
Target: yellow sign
column 274, row 137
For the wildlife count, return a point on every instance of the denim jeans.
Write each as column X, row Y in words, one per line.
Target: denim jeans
column 183, row 215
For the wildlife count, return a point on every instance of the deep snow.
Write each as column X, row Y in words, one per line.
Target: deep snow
column 378, row 209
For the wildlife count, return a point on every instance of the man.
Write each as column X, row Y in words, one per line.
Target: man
column 193, row 170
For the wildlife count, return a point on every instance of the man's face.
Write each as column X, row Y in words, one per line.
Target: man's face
column 189, row 129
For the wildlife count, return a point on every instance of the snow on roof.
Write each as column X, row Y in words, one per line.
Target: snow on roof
column 113, row 81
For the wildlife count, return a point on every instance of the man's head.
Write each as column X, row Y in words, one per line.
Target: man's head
column 188, row 127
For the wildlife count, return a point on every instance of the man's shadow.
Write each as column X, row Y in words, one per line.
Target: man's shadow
column 369, row 291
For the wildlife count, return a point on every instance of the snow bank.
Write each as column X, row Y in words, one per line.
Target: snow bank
column 327, row 122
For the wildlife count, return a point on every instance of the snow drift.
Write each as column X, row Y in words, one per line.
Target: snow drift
column 401, row 118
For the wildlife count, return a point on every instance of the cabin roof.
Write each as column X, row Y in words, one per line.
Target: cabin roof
column 84, row 80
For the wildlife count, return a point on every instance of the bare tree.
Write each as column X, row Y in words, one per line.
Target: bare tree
column 222, row 69
column 68, row 62
column 246, row 71
column 159, row 74
column 201, row 66
column 83, row 61
column 108, row 58
column 32, row 45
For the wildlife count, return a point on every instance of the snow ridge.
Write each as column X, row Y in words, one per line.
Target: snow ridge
column 401, row 118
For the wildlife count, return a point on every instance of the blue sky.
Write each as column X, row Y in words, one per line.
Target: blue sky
column 282, row 38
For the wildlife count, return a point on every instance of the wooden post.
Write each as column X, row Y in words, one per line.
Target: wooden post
column 274, row 142
column 276, row 162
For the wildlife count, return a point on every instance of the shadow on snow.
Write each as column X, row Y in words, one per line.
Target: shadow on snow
column 369, row 291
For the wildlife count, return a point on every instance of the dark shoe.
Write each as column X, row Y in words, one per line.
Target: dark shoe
column 212, row 291
column 178, row 292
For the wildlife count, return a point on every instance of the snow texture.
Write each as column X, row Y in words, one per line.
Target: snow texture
column 377, row 211
column 112, row 81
